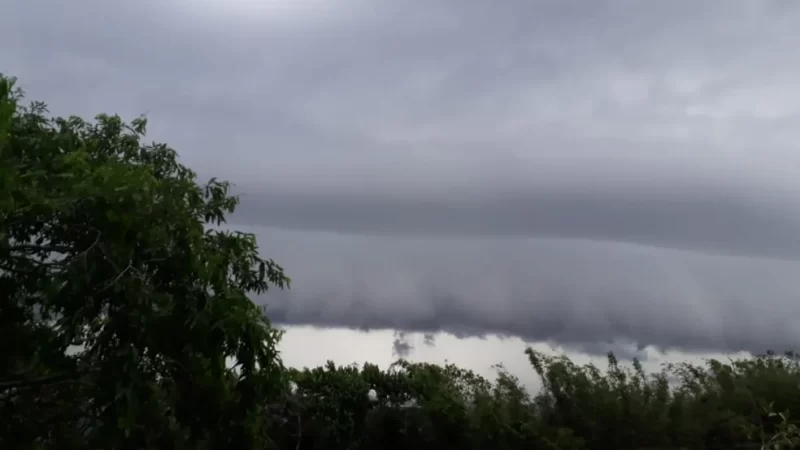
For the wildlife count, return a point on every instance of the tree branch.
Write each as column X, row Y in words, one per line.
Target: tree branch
column 111, row 283
column 40, row 381
column 33, row 248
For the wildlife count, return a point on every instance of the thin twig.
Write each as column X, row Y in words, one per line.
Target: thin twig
column 299, row 431
column 111, row 283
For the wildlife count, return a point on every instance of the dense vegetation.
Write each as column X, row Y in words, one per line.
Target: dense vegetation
column 126, row 322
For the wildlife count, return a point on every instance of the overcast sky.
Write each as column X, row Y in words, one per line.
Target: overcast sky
column 595, row 174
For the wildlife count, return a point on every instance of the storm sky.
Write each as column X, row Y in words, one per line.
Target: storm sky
column 594, row 174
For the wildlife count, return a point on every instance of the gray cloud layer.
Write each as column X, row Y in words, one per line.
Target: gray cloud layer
column 588, row 295
column 677, row 216
column 541, row 138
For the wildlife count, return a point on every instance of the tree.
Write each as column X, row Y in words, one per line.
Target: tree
column 123, row 302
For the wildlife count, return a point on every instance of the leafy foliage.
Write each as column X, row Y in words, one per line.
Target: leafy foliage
column 742, row 404
column 121, row 306
column 125, row 322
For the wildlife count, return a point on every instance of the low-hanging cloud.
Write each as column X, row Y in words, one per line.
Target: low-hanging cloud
column 583, row 294
column 401, row 345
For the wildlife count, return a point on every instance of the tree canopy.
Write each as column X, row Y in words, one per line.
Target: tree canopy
column 126, row 321
column 108, row 249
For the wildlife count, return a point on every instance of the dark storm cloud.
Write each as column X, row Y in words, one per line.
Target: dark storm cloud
column 401, row 345
column 541, row 138
column 591, row 296
column 687, row 217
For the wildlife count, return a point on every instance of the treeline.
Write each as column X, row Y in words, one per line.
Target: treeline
column 738, row 404
column 126, row 322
